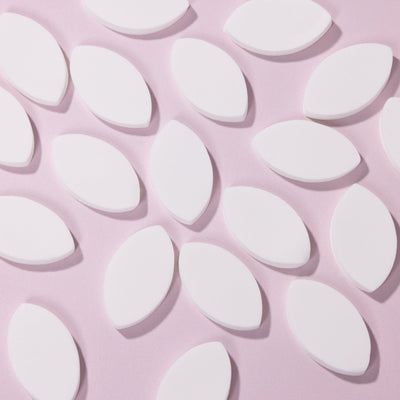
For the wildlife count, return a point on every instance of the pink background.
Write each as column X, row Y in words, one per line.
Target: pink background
column 268, row 363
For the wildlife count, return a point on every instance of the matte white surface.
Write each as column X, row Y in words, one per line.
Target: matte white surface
column 221, row 286
column 390, row 130
column 181, row 172
column 306, row 151
column 275, row 28
column 204, row 372
column 95, row 173
column 31, row 59
column 30, row 233
column 139, row 276
column 347, row 81
column 111, row 87
column 209, row 79
column 43, row 354
column 328, row 327
column 137, row 17
column 266, row 226
column 363, row 238
column 16, row 136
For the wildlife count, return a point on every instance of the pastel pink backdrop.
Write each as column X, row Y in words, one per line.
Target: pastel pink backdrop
column 267, row 363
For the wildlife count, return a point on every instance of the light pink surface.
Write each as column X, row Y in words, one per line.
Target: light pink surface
column 268, row 363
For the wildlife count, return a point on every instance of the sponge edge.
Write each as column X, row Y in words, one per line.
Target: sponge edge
column 328, row 326
column 204, row 372
column 389, row 128
column 31, row 233
column 266, row 226
column 137, row 17
column 337, row 89
column 221, row 286
column 276, row 28
column 181, row 172
column 46, row 79
column 210, row 80
column 16, row 135
column 43, row 354
column 111, row 87
column 96, row 173
column 363, row 238
column 139, row 276
column 306, row 151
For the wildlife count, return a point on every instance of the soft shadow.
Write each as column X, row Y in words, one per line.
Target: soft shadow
column 309, row 267
column 33, row 166
column 161, row 312
column 352, row 177
column 138, row 213
column 320, row 46
column 83, row 386
column 251, row 111
column 184, row 22
column 210, row 211
column 65, row 103
column 393, row 280
column 263, row 330
column 234, row 393
column 376, row 106
column 74, row 259
column 371, row 374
